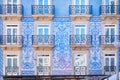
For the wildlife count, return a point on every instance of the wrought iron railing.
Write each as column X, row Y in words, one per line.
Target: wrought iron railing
column 109, row 70
column 80, row 39
column 11, row 9
column 43, row 39
column 11, row 70
column 80, row 9
column 110, row 9
column 11, row 39
column 108, row 39
column 43, row 9
column 80, row 70
column 43, row 70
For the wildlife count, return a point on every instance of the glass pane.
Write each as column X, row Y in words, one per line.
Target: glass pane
column 40, row 2
column 107, row 61
column 40, row 35
column 77, row 62
column 15, row 62
column 83, row 35
column 9, row 9
column 46, row 62
column 107, row 35
column 107, row 2
column 45, row 2
column 14, row 1
column 112, row 35
column 77, row 31
column 40, row 63
column 112, row 7
column 46, row 36
column 77, row 2
column 8, row 1
column 112, row 62
column 46, row 9
column 8, row 35
column 106, row 64
column 15, row 9
column 9, row 62
column 40, row 31
column 14, row 35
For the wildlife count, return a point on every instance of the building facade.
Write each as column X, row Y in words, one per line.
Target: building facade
column 59, row 37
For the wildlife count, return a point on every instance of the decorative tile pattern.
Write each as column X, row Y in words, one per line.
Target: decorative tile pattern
column 119, row 48
column 1, row 51
column 95, row 57
column 62, row 57
column 27, row 53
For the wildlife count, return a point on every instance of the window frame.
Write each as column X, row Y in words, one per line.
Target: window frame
column 86, row 2
column 104, row 2
column 49, row 2
column 43, row 28
column 18, row 2
column 12, row 57
column 43, row 58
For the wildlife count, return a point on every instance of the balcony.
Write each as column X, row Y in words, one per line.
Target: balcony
column 80, row 70
column 43, row 41
column 109, row 70
column 80, row 12
column 11, row 12
column 12, row 70
column 10, row 41
column 110, row 11
column 43, row 70
column 108, row 40
column 43, row 12
column 79, row 41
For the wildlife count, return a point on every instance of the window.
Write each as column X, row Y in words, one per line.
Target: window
column 43, row 64
column 80, row 2
column 43, row 33
column 110, row 6
column 12, row 6
column 43, row 2
column 43, row 6
column 80, row 64
column 110, row 62
column 80, row 33
column 11, row 64
column 11, row 34
column 109, row 33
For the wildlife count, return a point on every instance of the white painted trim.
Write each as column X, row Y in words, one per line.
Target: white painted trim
column 43, row 27
column 18, row 28
column 80, row 24
column 116, row 32
column 109, row 52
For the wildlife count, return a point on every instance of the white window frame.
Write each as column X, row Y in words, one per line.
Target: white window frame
column 12, row 57
column 110, row 59
column 43, row 57
column 115, row 26
column 110, row 27
column 84, row 27
column 17, row 27
column 81, row 55
column 43, row 28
